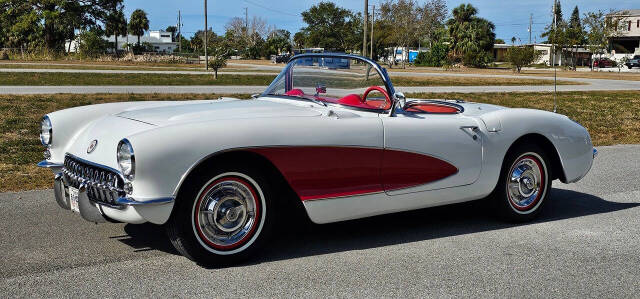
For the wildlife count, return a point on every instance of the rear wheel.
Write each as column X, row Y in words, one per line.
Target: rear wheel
column 222, row 218
column 524, row 184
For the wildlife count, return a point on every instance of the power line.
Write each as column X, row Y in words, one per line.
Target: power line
column 270, row 9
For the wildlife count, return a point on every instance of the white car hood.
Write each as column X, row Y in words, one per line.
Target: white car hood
column 215, row 110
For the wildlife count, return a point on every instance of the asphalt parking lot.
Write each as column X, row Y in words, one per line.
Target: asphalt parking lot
column 585, row 244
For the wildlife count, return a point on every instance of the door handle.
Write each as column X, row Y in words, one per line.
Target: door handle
column 472, row 128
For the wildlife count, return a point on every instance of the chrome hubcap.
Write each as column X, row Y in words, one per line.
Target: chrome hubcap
column 525, row 182
column 226, row 213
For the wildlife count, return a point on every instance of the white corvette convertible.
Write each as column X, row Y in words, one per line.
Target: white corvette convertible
column 330, row 135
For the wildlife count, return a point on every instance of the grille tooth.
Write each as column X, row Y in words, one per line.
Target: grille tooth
column 103, row 185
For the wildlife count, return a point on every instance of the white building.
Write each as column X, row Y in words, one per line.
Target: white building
column 626, row 41
column 161, row 41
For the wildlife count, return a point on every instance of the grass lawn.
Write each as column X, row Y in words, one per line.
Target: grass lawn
column 76, row 79
column 64, row 66
column 547, row 72
column 610, row 117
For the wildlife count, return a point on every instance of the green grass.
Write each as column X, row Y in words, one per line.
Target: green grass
column 83, row 79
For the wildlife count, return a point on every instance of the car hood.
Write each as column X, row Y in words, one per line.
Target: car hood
column 182, row 112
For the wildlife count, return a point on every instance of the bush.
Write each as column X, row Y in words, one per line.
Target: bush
column 477, row 58
column 4, row 55
column 91, row 44
column 436, row 56
column 522, row 56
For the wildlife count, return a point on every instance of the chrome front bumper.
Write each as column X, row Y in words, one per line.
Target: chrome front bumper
column 90, row 209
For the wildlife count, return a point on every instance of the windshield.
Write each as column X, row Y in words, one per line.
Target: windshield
column 332, row 80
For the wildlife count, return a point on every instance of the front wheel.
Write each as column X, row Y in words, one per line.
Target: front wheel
column 222, row 218
column 524, row 184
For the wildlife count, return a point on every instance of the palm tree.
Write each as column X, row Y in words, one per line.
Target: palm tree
column 138, row 23
column 116, row 25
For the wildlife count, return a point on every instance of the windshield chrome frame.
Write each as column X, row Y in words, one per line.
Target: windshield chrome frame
column 381, row 71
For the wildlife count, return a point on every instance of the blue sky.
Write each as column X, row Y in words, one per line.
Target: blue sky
column 511, row 17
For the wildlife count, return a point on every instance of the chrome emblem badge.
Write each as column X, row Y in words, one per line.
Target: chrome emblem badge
column 92, row 146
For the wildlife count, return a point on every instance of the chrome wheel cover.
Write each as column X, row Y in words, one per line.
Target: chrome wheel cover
column 526, row 182
column 226, row 212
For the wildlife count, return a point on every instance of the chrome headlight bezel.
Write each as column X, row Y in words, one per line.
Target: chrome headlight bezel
column 46, row 131
column 126, row 159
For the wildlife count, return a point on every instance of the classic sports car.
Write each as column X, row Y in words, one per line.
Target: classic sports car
column 330, row 135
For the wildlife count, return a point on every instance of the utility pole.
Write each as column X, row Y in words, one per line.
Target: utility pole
column 555, row 71
column 206, row 56
column 373, row 20
column 179, row 32
column 530, row 24
column 246, row 20
column 365, row 25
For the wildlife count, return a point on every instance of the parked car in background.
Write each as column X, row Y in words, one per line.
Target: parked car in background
column 282, row 58
column 329, row 144
column 604, row 62
column 633, row 62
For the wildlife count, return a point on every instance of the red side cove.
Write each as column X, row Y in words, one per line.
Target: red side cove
column 317, row 172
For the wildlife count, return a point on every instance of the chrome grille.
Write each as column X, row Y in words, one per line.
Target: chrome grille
column 103, row 184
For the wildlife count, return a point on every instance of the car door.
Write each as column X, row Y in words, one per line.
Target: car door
column 424, row 151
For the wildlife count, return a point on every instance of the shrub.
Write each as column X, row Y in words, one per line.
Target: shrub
column 522, row 56
column 4, row 55
column 91, row 44
column 436, row 56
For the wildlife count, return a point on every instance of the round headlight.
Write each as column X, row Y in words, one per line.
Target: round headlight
column 46, row 131
column 126, row 159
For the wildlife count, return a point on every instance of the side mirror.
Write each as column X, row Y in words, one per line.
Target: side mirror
column 400, row 98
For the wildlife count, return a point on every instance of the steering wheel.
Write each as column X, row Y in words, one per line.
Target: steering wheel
column 387, row 103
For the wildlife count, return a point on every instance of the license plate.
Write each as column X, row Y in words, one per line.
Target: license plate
column 73, row 199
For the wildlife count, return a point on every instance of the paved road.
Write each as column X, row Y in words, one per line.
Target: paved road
column 585, row 244
column 589, row 84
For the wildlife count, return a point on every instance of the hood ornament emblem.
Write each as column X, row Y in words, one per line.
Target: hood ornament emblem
column 92, row 146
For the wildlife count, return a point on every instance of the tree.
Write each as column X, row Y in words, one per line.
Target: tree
column 299, row 39
column 557, row 34
column 522, row 56
column 173, row 30
column 138, row 23
column 331, row 27
column 91, row 44
column 500, row 41
column 219, row 53
column 403, row 16
column 116, row 25
column 278, row 42
column 431, row 17
column 575, row 34
column 48, row 23
column 471, row 37
column 599, row 28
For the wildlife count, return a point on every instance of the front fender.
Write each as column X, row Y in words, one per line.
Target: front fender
column 571, row 141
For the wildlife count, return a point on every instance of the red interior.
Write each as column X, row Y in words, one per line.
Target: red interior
column 433, row 108
column 352, row 100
